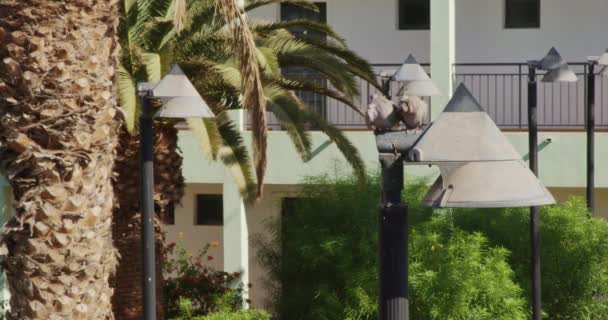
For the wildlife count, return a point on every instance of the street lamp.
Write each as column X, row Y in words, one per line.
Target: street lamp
column 557, row 70
column 392, row 232
column 479, row 169
column 590, row 119
column 179, row 99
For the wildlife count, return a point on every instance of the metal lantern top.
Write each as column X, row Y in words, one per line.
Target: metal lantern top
column 479, row 166
column 179, row 97
column 416, row 81
column 557, row 68
column 601, row 60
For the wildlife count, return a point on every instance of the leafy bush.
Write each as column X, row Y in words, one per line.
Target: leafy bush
column 206, row 290
column 322, row 260
column 574, row 254
column 224, row 314
column 455, row 275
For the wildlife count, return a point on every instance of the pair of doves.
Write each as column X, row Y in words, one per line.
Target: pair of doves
column 382, row 114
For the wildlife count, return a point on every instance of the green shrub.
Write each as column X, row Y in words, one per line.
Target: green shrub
column 455, row 275
column 186, row 314
column 574, row 254
column 322, row 260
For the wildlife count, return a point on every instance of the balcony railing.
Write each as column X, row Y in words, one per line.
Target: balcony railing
column 502, row 90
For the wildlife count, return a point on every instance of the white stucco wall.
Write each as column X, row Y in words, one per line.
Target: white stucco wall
column 575, row 27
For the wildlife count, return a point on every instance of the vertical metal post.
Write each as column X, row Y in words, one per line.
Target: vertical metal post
column 534, row 211
column 147, row 208
column 393, row 244
column 392, row 237
column 591, row 137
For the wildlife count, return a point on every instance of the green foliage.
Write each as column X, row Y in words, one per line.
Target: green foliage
column 322, row 260
column 574, row 254
column 456, row 275
column 186, row 314
column 151, row 42
column 192, row 288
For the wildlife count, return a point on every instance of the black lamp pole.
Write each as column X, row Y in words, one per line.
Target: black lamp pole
column 534, row 211
column 591, row 136
column 393, row 242
column 147, row 207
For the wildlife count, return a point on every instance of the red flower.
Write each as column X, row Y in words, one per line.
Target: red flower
column 198, row 263
column 209, row 258
column 215, row 244
column 171, row 245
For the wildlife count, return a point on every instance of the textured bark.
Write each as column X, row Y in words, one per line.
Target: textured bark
column 58, row 138
column 168, row 190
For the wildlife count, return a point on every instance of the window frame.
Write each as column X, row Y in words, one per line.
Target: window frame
column 208, row 222
column 401, row 26
column 512, row 27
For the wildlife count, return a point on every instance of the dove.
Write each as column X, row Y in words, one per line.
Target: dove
column 412, row 111
column 381, row 113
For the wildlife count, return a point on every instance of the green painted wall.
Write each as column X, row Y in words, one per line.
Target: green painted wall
column 561, row 161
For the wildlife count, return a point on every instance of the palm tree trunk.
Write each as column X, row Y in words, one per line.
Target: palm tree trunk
column 168, row 191
column 58, row 137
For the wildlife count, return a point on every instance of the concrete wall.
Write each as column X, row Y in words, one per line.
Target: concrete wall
column 577, row 28
column 561, row 161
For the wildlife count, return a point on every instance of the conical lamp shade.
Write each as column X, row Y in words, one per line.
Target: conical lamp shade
column 179, row 97
column 184, row 107
column 479, row 166
column 410, row 70
column 463, row 132
column 563, row 74
column 175, row 84
column 425, row 88
column 603, row 59
column 491, row 184
column 557, row 68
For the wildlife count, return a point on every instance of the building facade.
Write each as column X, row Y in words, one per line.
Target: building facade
column 483, row 43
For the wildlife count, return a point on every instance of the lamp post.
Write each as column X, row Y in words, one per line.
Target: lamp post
column 393, row 224
column 179, row 99
column 557, row 70
column 479, row 169
column 590, row 120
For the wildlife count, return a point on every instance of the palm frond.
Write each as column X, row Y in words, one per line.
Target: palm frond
column 153, row 65
column 234, row 155
column 268, row 62
column 288, row 112
column 308, row 86
column 254, row 4
column 127, row 95
column 207, row 135
column 356, row 64
column 348, row 150
column 253, row 95
column 265, row 28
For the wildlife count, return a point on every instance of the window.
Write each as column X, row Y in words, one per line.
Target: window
column 414, row 14
column 209, row 210
column 169, row 214
column 522, row 14
column 290, row 12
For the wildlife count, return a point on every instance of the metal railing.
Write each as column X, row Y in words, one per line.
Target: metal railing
column 501, row 88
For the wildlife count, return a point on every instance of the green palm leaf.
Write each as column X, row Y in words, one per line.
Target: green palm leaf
column 288, row 112
column 254, row 4
column 127, row 95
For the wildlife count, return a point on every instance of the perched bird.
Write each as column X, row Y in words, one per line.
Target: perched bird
column 412, row 111
column 381, row 113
